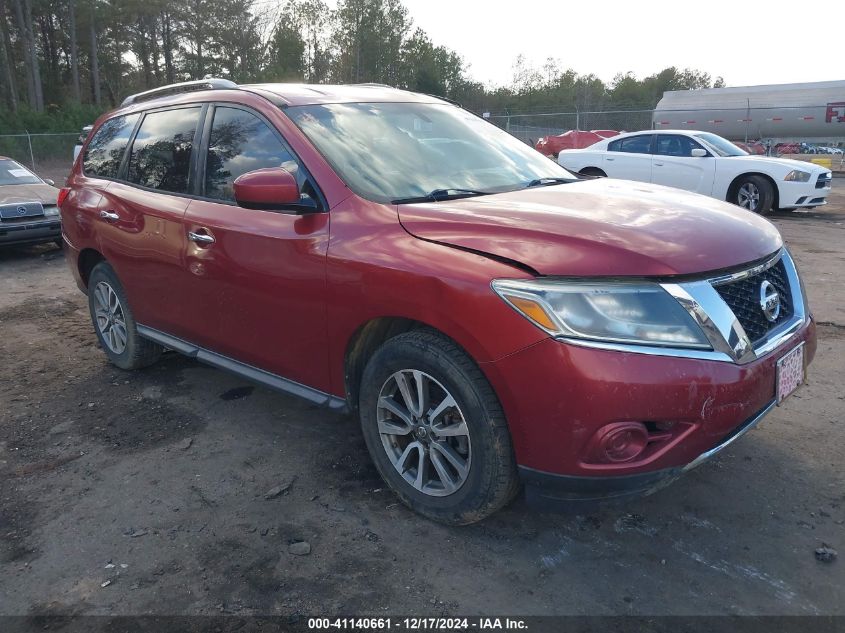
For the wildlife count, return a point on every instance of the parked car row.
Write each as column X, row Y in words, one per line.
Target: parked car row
column 769, row 148
column 806, row 148
column 493, row 320
column 704, row 163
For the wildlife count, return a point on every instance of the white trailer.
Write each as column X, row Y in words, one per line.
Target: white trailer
column 786, row 112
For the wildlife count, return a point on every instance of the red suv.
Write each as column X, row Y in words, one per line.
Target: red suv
column 492, row 319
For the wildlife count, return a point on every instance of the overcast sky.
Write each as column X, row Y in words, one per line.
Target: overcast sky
column 748, row 42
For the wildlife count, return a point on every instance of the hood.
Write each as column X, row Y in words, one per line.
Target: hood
column 599, row 227
column 788, row 163
column 40, row 192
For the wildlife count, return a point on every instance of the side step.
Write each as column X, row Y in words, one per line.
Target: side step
column 242, row 369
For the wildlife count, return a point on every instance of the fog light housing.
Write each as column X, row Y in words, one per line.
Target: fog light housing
column 618, row 442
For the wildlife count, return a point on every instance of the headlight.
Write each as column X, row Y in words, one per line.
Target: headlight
column 796, row 175
column 640, row 313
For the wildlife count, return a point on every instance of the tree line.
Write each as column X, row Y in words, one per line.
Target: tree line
column 64, row 61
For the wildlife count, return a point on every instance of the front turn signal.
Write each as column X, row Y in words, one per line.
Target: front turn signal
column 533, row 311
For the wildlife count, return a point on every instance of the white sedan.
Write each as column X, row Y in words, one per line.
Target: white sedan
column 704, row 163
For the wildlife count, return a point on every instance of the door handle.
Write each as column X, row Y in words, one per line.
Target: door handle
column 658, row 164
column 610, row 159
column 200, row 238
column 109, row 215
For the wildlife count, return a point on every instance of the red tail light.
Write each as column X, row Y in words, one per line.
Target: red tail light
column 62, row 195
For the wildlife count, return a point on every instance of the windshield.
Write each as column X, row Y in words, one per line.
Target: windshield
column 11, row 173
column 393, row 151
column 720, row 146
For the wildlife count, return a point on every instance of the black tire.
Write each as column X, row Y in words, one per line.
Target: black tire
column 60, row 243
column 765, row 193
column 592, row 172
column 137, row 352
column 492, row 479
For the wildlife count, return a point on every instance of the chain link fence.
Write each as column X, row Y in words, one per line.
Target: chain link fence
column 814, row 125
column 530, row 127
column 39, row 150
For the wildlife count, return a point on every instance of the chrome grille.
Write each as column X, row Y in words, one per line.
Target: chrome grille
column 743, row 298
column 17, row 210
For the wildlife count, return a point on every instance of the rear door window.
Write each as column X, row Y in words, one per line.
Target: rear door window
column 161, row 152
column 632, row 144
column 104, row 153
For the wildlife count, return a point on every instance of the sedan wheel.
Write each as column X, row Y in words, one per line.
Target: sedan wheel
column 748, row 196
column 424, row 433
column 754, row 193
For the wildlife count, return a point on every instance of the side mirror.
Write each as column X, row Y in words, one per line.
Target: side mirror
column 269, row 188
column 49, row 181
column 698, row 152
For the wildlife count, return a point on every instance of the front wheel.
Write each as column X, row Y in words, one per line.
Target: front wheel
column 435, row 429
column 114, row 323
column 754, row 193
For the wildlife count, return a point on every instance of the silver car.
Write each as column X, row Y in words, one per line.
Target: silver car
column 28, row 210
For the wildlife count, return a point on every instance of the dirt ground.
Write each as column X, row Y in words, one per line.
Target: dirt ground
column 144, row 492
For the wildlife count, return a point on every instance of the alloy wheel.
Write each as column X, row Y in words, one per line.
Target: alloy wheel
column 110, row 319
column 748, row 196
column 424, row 433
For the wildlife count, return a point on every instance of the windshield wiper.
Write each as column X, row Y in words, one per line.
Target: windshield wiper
column 548, row 180
column 442, row 194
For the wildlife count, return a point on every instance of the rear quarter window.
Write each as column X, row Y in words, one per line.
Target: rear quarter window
column 104, row 153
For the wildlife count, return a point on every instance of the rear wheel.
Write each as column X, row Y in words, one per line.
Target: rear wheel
column 114, row 323
column 593, row 172
column 435, row 429
column 754, row 193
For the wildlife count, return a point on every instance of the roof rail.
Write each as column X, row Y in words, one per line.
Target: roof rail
column 374, row 85
column 446, row 99
column 185, row 86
